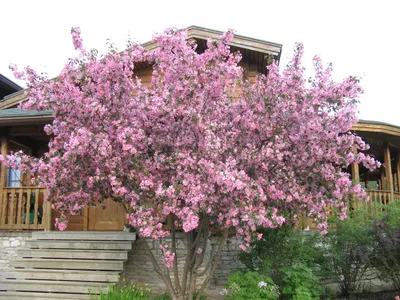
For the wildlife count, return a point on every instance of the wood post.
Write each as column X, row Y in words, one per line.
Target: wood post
column 3, row 174
column 382, row 180
column 46, row 219
column 388, row 171
column 355, row 175
column 86, row 218
column 398, row 170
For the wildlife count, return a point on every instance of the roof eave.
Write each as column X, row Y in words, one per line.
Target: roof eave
column 378, row 127
column 32, row 120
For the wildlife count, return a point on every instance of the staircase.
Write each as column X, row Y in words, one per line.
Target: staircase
column 66, row 265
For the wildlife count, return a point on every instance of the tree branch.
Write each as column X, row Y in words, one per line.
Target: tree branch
column 216, row 261
column 156, row 267
column 171, row 225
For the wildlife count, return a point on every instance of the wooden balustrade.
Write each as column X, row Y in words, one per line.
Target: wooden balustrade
column 24, row 208
column 396, row 196
column 378, row 200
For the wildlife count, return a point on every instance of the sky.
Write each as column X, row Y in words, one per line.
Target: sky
column 360, row 38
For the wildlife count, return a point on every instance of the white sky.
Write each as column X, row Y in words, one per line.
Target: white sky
column 359, row 37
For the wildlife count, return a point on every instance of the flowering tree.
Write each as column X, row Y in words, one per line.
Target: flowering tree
column 182, row 152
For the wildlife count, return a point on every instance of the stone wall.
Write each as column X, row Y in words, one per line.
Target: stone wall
column 10, row 243
column 139, row 269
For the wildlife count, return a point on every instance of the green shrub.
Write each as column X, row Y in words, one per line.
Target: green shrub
column 123, row 292
column 348, row 249
column 291, row 258
column 251, row 285
column 282, row 247
column 386, row 236
column 300, row 283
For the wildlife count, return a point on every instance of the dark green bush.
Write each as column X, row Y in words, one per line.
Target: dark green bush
column 386, row 235
column 348, row 249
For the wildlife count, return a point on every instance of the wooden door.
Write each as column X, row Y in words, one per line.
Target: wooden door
column 110, row 218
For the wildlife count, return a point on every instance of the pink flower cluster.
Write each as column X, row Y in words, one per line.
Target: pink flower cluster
column 183, row 146
column 61, row 224
column 168, row 257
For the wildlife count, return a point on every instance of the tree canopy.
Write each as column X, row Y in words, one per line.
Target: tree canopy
column 185, row 147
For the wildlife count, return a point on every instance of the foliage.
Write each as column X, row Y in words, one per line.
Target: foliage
column 281, row 247
column 349, row 250
column 251, row 285
column 167, row 297
column 123, row 292
column 300, row 283
column 386, row 234
column 291, row 258
column 388, row 213
column 183, row 151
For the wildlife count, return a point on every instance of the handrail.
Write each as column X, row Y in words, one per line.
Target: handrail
column 24, row 208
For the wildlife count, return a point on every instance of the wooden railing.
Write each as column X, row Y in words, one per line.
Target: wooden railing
column 378, row 199
column 24, row 208
column 376, row 206
column 396, row 196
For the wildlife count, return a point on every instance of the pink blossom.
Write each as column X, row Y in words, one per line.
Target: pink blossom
column 181, row 147
column 60, row 224
column 168, row 259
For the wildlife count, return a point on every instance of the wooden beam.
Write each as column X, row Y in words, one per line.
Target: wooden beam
column 14, row 99
column 86, row 218
column 355, row 169
column 366, row 126
column 388, row 170
column 4, row 152
column 36, row 130
column 398, row 169
column 382, row 179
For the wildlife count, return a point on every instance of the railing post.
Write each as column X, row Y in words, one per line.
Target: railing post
column 388, row 170
column 3, row 174
column 46, row 219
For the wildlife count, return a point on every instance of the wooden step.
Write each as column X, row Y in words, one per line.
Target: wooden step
column 72, row 287
column 85, row 235
column 68, row 264
column 41, row 296
column 74, row 254
column 72, row 275
column 94, row 245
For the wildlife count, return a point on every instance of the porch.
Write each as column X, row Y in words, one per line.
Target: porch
column 383, row 184
column 24, row 208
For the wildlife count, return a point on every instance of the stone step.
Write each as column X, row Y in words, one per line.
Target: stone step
column 71, row 275
column 42, row 296
column 94, row 245
column 84, row 235
column 74, row 254
column 68, row 264
column 71, row 287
